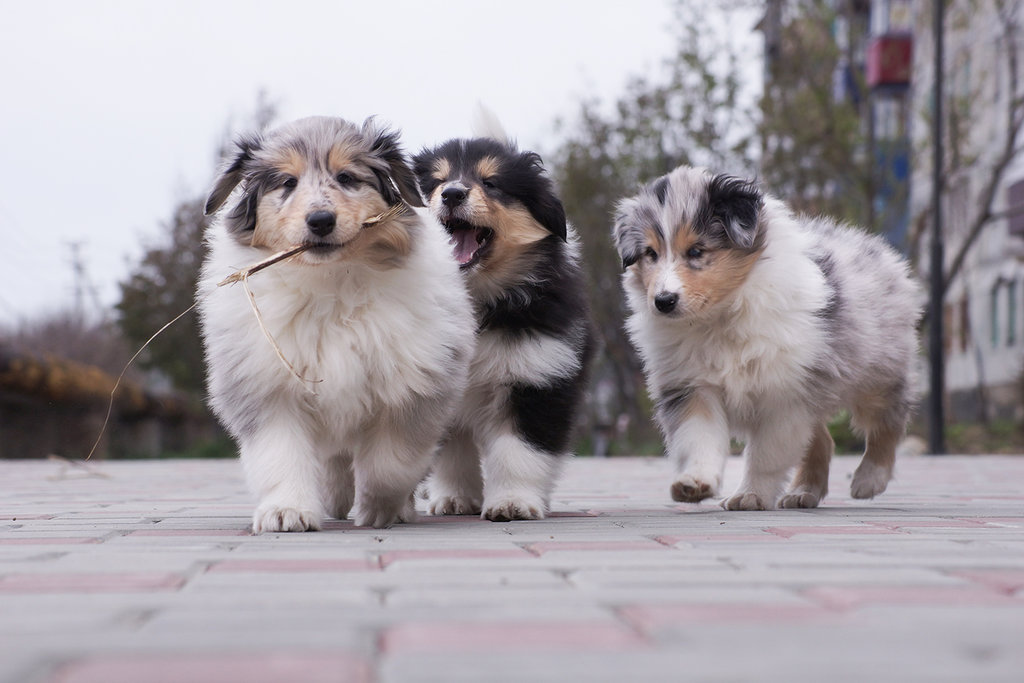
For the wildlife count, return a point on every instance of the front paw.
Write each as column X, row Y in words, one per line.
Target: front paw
column 272, row 518
column 869, row 480
column 800, row 499
column 745, row 501
column 382, row 514
column 454, row 505
column 688, row 489
column 509, row 508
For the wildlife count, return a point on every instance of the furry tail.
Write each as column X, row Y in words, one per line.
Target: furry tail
column 486, row 125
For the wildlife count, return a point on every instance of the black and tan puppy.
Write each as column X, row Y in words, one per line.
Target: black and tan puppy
column 527, row 377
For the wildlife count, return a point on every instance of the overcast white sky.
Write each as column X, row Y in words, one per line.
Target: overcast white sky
column 111, row 112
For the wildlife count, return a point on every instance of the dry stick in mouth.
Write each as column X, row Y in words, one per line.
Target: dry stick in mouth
column 393, row 211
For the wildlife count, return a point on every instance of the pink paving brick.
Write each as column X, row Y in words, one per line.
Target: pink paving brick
column 330, row 566
column 791, row 531
column 1007, row 581
column 251, row 668
column 50, row 540
column 459, row 637
column 852, row 597
column 389, row 558
column 89, row 583
column 191, row 532
column 1000, row 521
column 649, row 618
column 591, row 546
column 719, row 538
column 930, row 524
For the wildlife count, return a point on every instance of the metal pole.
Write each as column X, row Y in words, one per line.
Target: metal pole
column 936, row 413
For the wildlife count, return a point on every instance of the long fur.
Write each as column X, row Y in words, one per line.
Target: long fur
column 759, row 324
column 377, row 318
column 527, row 377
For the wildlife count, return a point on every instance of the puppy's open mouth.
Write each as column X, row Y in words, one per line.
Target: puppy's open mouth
column 469, row 242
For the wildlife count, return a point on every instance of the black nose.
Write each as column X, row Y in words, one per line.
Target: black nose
column 666, row 301
column 320, row 223
column 453, row 196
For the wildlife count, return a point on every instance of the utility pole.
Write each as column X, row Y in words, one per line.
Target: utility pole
column 936, row 412
column 78, row 266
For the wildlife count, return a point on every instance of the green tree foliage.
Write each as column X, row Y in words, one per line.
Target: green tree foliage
column 814, row 144
column 160, row 288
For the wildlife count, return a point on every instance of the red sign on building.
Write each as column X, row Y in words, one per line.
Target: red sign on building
column 889, row 60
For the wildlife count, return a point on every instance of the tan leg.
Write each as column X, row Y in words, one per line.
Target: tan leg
column 810, row 485
column 875, row 469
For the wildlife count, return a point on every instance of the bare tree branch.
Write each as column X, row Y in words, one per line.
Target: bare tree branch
column 1009, row 151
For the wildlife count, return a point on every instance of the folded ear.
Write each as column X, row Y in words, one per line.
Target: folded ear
column 399, row 175
column 232, row 174
column 536, row 191
column 736, row 203
column 630, row 239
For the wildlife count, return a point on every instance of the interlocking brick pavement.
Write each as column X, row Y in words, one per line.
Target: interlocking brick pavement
column 146, row 571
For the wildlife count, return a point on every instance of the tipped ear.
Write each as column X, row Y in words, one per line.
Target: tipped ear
column 540, row 199
column 736, row 203
column 400, row 176
column 232, row 175
column 549, row 212
column 629, row 240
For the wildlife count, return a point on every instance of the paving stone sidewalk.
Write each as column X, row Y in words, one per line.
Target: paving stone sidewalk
column 146, row 571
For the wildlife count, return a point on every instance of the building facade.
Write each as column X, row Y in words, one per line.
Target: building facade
column 983, row 198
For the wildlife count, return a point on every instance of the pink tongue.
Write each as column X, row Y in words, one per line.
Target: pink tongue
column 465, row 245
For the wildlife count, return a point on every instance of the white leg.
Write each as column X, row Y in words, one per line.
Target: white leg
column 518, row 479
column 456, row 485
column 284, row 472
column 339, row 485
column 775, row 447
column 389, row 463
column 698, row 443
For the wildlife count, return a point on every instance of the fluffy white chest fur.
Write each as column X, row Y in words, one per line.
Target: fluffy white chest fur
column 360, row 337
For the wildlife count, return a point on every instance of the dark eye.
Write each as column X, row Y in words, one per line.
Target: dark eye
column 694, row 252
column 345, row 179
column 488, row 183
column 291, row 182
column 651, row 254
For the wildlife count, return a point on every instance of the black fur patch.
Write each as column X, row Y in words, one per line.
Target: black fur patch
column 671, row 401
column 730, row 213
column 233, row 174
column 545, row 416
column 832, row 310
column 660, row 189
column 552, row 302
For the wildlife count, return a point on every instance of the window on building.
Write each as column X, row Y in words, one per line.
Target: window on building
column 1011, row 312
column 965, row 324
column 994, row 315
column 1015, row 208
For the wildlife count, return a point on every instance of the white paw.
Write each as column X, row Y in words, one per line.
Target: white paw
column 271, row 518
column 384, row 515
column 508, row 508
column 869, row 480
column 689, row 489
column 454, row 505
column 800, row 499
column 745, row 501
